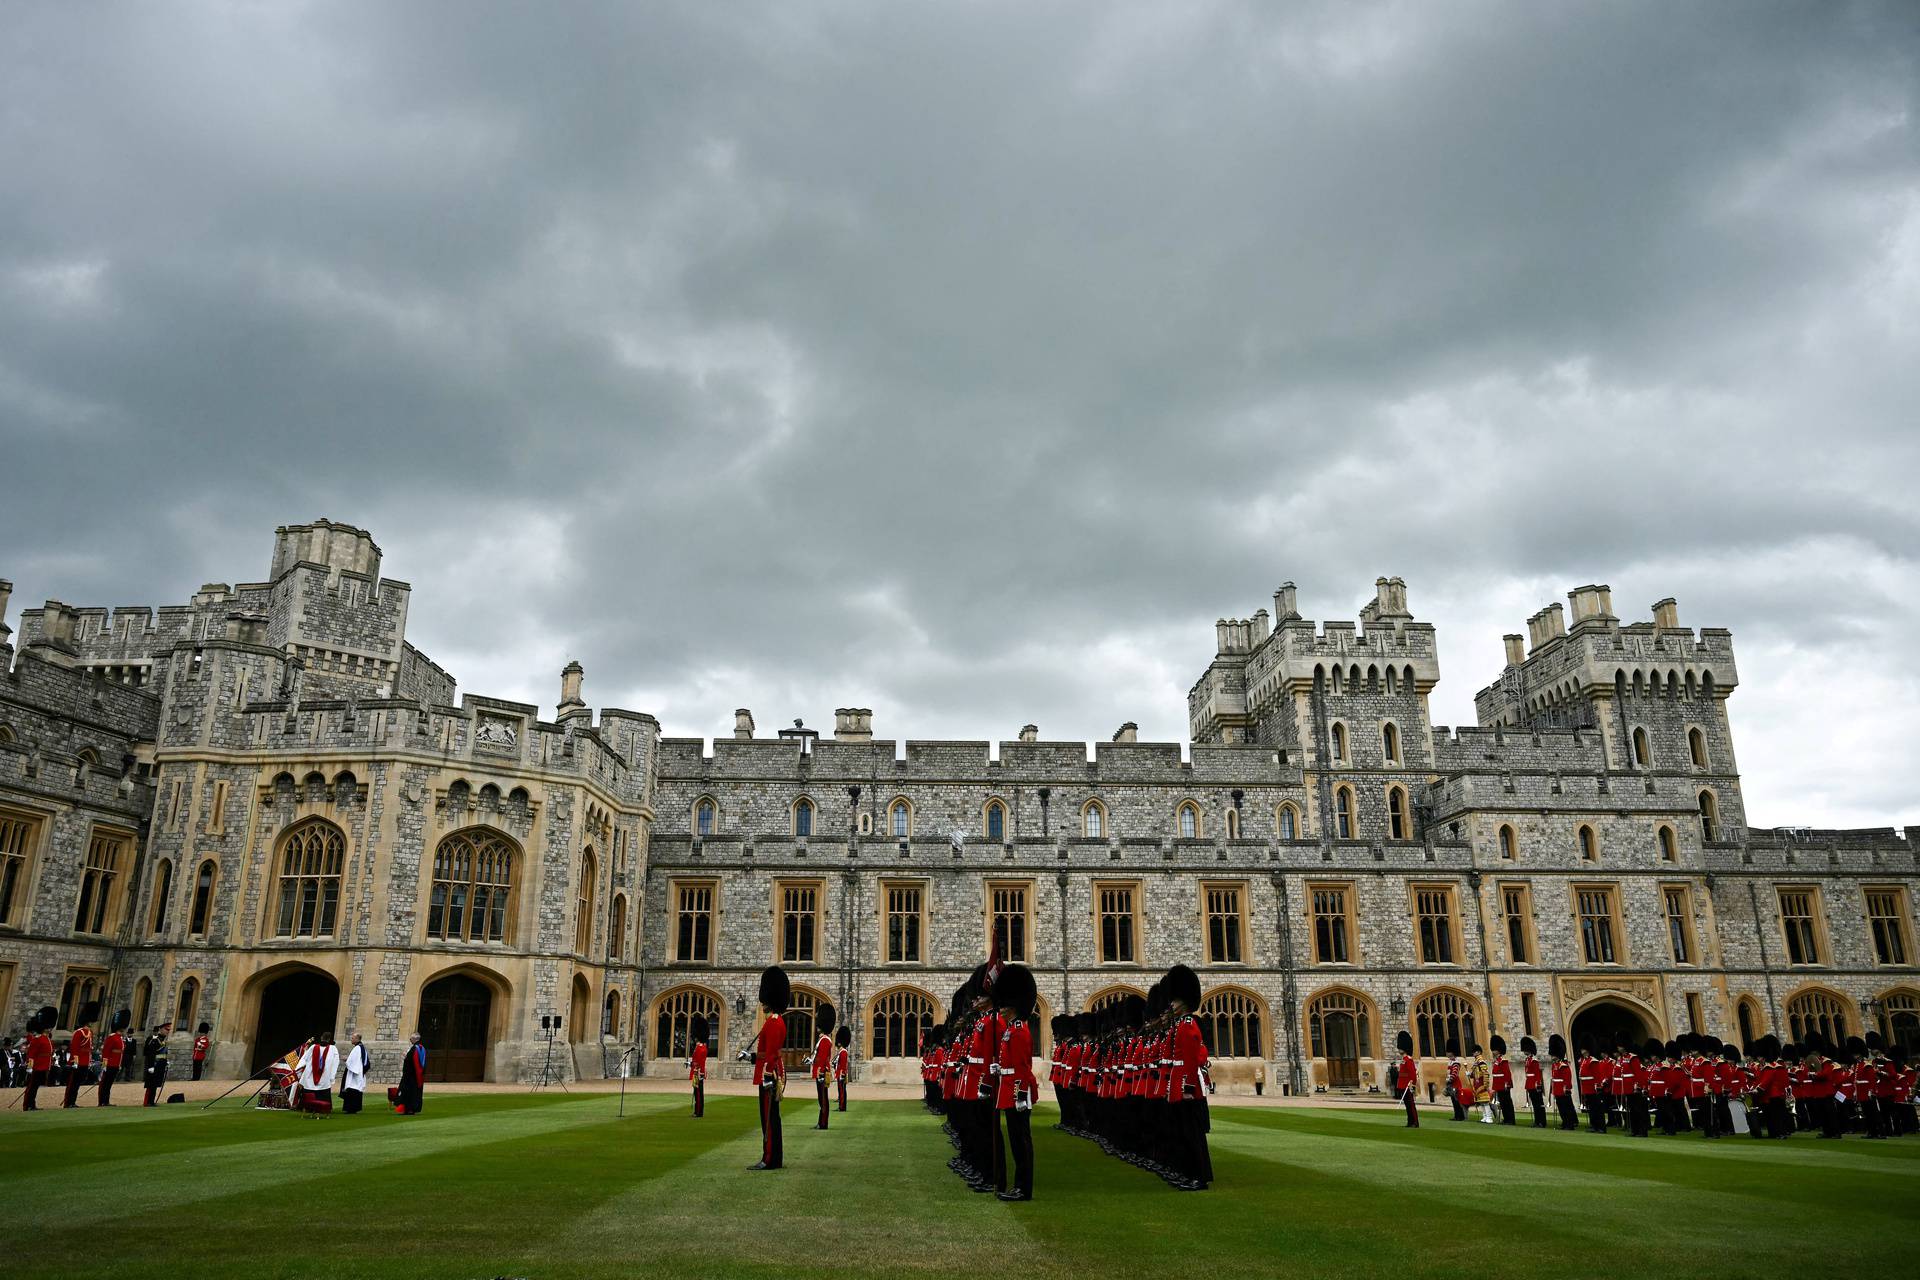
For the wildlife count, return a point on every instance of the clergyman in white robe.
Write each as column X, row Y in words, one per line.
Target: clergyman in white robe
column 353, row 1081
column 315, row 1075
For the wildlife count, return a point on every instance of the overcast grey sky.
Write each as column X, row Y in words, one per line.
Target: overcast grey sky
column 967, row 361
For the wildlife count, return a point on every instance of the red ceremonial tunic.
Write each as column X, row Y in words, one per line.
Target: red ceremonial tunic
column 697, row 1067
column 113, row 1049
column 1502, row 1075
column 822, row 1064
column 40, row 1052
column 1189, row 1055
column 767, row 1064
column 1017, row 1084
column 1562, row 1079
column 1408, row 1074
column 1531, row 1080
column 81, row 1047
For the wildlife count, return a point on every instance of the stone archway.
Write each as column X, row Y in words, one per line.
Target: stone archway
column 295, row 1005
column 1605, row 1021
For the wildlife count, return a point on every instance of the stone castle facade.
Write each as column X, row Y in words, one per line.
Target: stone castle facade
column 265, row 809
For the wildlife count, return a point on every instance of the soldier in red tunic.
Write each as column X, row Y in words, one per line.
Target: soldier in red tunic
column 769, row 1068
column 820, row 1067
column 843, row 1061
column 1015, row 993
column 697, row 1032
column 1406, row 1079
column 1502, row 1080
column 201, row 1043
column 1530, row 1081
column 1562, row 1082
column 80, row 1050
column 1188, row 1084
column 39, row 1054
column 113, row 1051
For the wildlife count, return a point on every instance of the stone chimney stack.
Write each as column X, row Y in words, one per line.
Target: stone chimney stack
column 1029, row 733
column 1221, row 635
column 1261, row 629
column 1547, row 625
column 1591, row 604
column 1284, row 605
column 6, row 632
column 1516, row 649
column 57, row 622
column 853, row 724
column 743, row 723
column 571, row 703
column 1666, row 613
column 1128, row 732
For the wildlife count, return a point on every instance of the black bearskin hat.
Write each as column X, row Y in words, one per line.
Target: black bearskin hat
column 1061, row 1026
column 1652, row 1048
column 1499, row 1045
column 844, row 1036
column 1404, row 1042
column 1133, row 1011
column 1556, row 1046
column 1014, row 989
column 697, row 1029
column 1453, row 1048
column 204, row 1028
column 1156, row 1000
column 824, row 1018
column 1183, row 987
column 121, row 1019
column 89, row 1014
column 1528, row 1047
column 1730, row 1053
column 49, row 1018
column 776, row 989
column 1875, row 1042
column 978, row 983
column 1856, row 1047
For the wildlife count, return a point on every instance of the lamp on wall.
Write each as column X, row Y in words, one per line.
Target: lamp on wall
column 1398, row 1007
column 739, row 1006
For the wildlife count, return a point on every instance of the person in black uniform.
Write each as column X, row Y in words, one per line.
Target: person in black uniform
column 155, row 1052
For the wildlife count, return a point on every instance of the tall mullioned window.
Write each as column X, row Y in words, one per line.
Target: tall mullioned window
column 1343, row 816
column 586, row 895
column 900, row 1018
column 1008, row 904
column 1598, row 933
column 901, row 815
column 97, row 909
column 996, row 820
column 905, row 919
column 1332, row 924
column 799, row 923
column 472, row 888
column 1433, row 922
column 1225, row 924
column 1516, row 905
column 1679, row 922
column 309, row 891
column 200, row 915
column 673, row 1021
column 1115, row 910
column 1439, row 1018
column 1798, row 909
column 16, row 846
column 693, row 923
column 1887, row 920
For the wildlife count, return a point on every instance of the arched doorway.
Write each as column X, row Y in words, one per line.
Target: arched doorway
column 454, row 1014
column 294, row 1007
column 1340, row 1030
column 1606, row 1022
column 798, row 1051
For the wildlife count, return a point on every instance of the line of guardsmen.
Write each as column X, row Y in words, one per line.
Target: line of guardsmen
column 1132, row 1076
column 1693, row 1083
column 977, row 1070
column 71, row 1066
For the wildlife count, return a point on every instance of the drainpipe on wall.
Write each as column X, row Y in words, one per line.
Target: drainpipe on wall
column 1289, row 993
column 1766, row 965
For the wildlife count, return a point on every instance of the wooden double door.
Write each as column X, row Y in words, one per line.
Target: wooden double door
column 454, row 1015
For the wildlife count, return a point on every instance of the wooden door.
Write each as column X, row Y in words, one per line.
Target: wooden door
column 454, row 1013
column 1343, row 1051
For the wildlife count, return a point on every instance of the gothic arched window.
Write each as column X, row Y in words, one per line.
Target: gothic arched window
column 308, row 900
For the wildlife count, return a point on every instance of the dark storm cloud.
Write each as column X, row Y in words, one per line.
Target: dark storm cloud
column 967, row 362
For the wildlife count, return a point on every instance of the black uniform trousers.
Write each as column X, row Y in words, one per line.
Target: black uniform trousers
column 1413, row 1110
column 842, row 1083
column 820, row 1089
column 197, row 1065
column 1637, row 1121
column 34, row 1080
column 1596, row 1104
column 1563, row 1102
column 771, row 1152
column 107, row 1076
column 1020, row 1144
column 1538, row 1101
column 699, row 1098
column 1506, row 1106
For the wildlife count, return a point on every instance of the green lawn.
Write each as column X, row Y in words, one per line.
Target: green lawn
column 552, row 1185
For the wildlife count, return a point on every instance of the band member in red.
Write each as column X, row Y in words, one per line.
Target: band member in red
column 769, row 1068
column 1530, row 1081
column 113, row 1051
column 1562, row 1082
column 1015, row 994
column 1502, row 1080
column 39, row 1054
column 1406, row 1080
column 201, row 1043
column 843, row 1061
column 697, row 1062
column 80, row 1053
column 820, row 1067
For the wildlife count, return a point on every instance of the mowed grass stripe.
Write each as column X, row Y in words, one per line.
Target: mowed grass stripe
column 872, row 1194
column 103, row 1190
